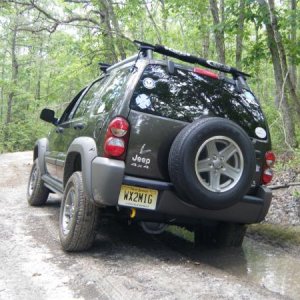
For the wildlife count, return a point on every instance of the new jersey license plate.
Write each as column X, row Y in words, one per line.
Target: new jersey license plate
column 138, row 197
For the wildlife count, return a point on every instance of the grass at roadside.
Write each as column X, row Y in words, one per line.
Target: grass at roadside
column 276, row 234
column 181, row 232
column 283, row 235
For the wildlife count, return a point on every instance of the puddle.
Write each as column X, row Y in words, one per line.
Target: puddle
column 263, row 264
column 274, row 269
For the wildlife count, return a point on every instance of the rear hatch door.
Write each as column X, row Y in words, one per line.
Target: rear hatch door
column 162, row 104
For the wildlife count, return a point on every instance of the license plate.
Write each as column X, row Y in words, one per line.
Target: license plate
column 138, row 197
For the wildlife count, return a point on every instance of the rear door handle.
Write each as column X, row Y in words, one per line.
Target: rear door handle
column 59, row 130
column 78, row 126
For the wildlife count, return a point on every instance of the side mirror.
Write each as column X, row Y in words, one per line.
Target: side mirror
column 48, row 116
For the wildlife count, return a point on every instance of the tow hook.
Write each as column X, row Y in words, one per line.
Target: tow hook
column 132, row 213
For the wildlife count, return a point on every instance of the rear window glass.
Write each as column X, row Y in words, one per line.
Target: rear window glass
column 186, row 96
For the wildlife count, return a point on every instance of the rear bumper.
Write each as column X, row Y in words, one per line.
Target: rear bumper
column 108, row 176
column 251, row 209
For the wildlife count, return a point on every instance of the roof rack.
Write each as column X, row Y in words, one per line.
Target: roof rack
column 186, row 57
column 123, row 62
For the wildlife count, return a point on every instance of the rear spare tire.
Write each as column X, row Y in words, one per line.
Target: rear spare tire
column 212, row 163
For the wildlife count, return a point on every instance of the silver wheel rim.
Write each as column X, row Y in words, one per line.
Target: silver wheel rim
column 68, row 212
column 32, row 180
column 219, row 164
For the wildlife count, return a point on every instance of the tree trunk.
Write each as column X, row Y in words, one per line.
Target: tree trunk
column 205, row 45
column 240, row 35
column 39, row 72
column 289, row 85
column 159, row 38
column 14, row 73
column 293, row 38
column 108, row 39
column 219, row 33
column 281, row 97
column 116, row 26
column 164, row 15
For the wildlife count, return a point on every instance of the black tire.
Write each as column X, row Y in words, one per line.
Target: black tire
column 221, row 235
column 77, row 232
column 37, row 193
column 188, row 176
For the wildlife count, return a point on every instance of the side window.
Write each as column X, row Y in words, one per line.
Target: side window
column 88, row 99
column 112, row 92
column 67, row 113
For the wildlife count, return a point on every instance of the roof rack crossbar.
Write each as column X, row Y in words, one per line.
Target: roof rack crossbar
column 123, row 62
column 190, row 58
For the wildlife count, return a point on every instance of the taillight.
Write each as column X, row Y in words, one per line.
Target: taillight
column 270, row 158
column 118, row 127
column 116, row 138
column 267, row 174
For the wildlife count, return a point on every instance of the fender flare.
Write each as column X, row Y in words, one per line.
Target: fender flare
column 86, row 147
column 40, row 148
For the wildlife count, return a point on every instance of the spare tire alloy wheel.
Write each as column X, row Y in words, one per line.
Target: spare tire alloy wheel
column 219, row 164
column 212, row 163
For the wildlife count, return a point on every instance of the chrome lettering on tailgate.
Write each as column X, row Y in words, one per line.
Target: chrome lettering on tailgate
column 139, row 161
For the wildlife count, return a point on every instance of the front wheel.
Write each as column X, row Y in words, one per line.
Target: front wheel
column 78, row 216
column 37, row 193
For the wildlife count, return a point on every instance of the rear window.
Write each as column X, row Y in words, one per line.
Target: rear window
column 186, row 96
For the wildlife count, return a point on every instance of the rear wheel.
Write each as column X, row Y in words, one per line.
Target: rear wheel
column 78, row 216
column 221, row 235
column 37, row 193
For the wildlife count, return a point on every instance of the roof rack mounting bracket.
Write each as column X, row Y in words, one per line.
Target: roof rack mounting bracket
column 104, row 66
column 171, row 67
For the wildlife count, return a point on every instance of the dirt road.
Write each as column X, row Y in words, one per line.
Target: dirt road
column 124, row 264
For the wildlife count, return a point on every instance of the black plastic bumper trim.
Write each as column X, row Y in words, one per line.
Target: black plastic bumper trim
column 148, row 183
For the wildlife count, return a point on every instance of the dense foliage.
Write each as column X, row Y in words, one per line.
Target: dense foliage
column 50, row 49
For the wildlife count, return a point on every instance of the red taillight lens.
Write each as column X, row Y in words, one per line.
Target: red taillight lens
column 114, row 146
column 270, row 158
column 267, row 174
column 118, row 127
column 116, row 138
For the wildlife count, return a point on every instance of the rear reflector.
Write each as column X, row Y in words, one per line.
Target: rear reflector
column 114, row 146
column 206, row 73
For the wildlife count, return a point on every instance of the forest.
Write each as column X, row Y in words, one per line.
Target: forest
column 49, row 50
